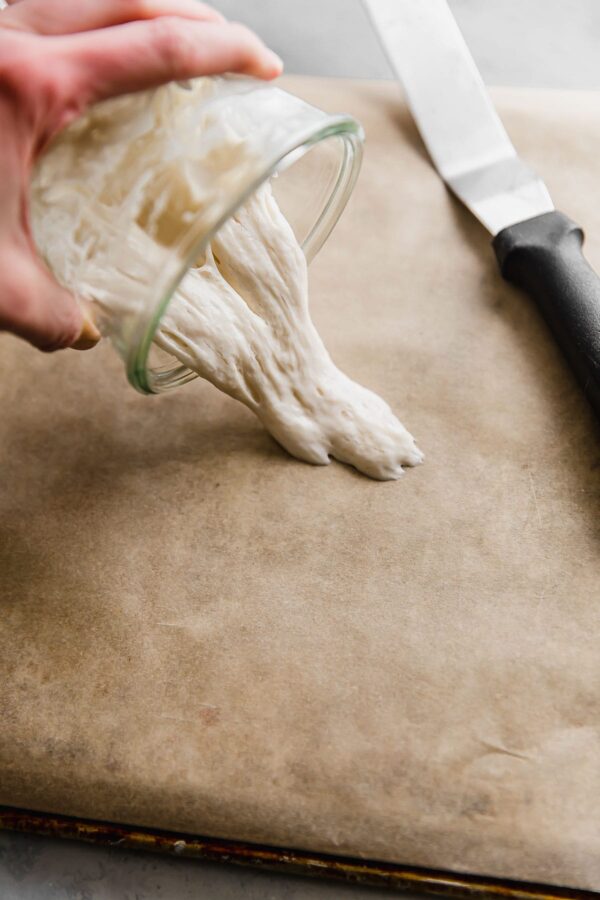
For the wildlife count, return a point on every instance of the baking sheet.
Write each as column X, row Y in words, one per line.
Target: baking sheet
column 201, row 634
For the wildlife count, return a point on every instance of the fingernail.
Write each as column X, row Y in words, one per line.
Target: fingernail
column 276, row 61
column 88, row 336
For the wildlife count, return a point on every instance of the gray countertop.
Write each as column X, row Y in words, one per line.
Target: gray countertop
column 537, row 43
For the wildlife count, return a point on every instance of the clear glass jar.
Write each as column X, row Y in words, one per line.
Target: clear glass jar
column 220, row 139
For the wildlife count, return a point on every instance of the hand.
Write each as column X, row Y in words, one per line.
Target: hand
column 56, row 58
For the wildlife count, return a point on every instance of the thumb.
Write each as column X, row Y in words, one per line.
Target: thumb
column 35, row 307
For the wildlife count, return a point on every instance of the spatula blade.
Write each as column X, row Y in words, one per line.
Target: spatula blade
column 457, row 121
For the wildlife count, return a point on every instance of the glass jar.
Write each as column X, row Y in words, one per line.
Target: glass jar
column 139, row 186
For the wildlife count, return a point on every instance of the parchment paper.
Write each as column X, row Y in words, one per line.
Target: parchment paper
column 200, row 633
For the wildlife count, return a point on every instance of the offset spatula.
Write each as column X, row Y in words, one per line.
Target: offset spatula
column 537, row 247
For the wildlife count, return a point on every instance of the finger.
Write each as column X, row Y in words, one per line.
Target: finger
column 101, row 64
column 67, row 16
column 35, row 307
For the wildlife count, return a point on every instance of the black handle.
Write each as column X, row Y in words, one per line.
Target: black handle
column 543, row 256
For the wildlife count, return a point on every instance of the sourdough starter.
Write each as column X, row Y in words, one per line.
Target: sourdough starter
column 102, row 200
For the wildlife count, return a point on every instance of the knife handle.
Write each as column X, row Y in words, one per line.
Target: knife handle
column 543, row 256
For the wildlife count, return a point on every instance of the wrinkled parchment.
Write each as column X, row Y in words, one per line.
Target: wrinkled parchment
column 200, row 633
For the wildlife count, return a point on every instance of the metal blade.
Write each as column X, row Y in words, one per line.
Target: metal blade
column 463, row 132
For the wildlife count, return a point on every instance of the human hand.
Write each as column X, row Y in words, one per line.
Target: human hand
column 56, row 58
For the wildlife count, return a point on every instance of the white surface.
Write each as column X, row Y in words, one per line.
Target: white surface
column 536, row 43
column 35, row 868
column 542, row 43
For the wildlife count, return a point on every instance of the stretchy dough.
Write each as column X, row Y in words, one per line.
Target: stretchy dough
column 240, row 316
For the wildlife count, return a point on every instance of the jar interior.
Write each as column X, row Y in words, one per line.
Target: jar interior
column 311, row 184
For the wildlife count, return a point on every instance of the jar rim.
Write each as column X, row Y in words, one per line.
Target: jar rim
column 146, row 380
